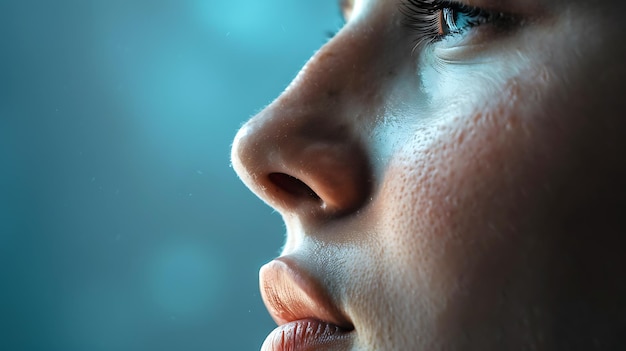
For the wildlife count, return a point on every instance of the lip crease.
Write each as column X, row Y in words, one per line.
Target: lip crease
column 306, row 316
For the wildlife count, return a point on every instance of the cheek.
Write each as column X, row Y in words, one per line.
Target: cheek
column 456, row 202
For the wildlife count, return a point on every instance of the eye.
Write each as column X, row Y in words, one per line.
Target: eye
column 433, row 20
column 453, row 20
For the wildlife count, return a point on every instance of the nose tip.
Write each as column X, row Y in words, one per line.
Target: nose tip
column 298, row 163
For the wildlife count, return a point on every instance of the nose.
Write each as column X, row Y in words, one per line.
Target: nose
column 305, row 153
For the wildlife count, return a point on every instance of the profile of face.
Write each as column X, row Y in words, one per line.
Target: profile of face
column 451, row 176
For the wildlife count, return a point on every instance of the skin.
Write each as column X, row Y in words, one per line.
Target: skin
column 460, row 195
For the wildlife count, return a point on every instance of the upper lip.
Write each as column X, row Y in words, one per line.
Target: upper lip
column 290, row 294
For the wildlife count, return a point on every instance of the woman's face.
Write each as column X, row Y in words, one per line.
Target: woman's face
column 449, row 174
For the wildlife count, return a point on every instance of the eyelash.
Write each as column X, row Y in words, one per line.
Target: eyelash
column 426, row 18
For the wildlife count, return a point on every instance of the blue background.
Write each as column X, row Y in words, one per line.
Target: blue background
column 122, row 224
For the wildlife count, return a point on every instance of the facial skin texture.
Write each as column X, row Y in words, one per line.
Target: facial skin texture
column 461, row 195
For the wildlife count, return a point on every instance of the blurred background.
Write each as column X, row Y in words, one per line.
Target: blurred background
column 122, row 224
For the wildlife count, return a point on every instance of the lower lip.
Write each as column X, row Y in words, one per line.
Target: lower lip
column 305, row 335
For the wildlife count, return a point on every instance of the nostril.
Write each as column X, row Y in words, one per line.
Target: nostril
column 293, row 186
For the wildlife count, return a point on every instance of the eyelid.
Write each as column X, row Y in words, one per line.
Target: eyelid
column 517, row 7
column 463, row 53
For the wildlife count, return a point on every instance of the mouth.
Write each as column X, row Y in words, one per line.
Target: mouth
column 307, row 318
column 307, row 334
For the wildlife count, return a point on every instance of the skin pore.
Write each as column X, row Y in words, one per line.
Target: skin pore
column 457, row 192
